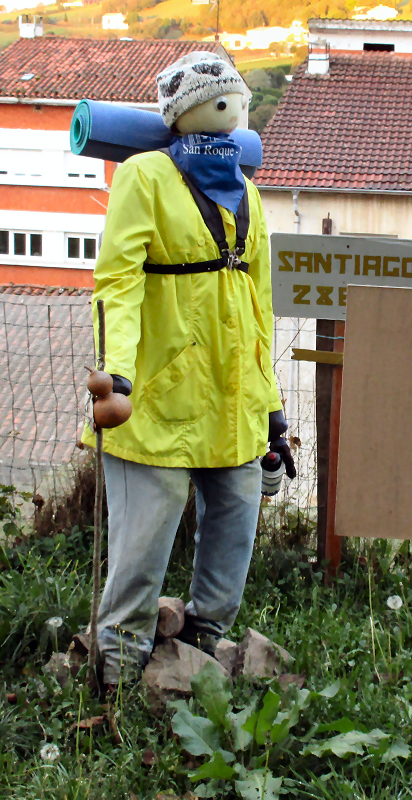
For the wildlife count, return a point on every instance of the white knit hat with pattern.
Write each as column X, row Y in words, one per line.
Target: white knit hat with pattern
column 192, row 80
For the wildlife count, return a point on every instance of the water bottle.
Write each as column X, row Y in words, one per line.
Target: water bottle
column 273, row 468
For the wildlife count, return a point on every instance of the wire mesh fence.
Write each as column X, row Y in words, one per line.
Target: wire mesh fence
column 296, row 384
column 45, row 343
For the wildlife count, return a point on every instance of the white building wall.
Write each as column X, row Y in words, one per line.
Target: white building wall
column 261, row 38
column 43, row 158
column 354, row 40
column 351, row 213
column 114, row 22
column 233, row 41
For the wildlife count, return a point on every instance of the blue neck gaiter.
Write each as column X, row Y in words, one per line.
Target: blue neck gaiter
column 212, row 162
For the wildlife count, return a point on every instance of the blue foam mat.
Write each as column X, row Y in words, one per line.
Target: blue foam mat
column 114, row 133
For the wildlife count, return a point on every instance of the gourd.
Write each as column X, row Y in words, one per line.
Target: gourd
column 110, row 409
column 100, row 383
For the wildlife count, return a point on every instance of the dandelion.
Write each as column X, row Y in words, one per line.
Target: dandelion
column 49, row 752
column 395, row 602
column 54, row 622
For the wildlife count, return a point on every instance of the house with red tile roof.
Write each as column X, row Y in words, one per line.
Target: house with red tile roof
column 52, row 202
column 340, row 142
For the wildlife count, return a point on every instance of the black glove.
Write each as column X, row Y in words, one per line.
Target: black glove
column 277, row 425
column 121, row 385
column 281, row 446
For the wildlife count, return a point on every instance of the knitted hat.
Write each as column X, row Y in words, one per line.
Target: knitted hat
column 193, row 80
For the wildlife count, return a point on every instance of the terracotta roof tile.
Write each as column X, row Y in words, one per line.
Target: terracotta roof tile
column 349, row 129
column 101, row 69
column 43, row 291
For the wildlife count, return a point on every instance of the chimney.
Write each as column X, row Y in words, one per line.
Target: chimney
column 318, row 57
column 28, row 30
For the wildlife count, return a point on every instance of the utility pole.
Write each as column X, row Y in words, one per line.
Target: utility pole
column 217, row 21
column 213, row 4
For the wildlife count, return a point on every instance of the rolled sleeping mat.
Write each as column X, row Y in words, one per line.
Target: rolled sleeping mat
column 114, row 133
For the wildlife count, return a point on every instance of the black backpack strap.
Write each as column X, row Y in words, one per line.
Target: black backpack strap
column 242, row 223
column 214, row 222
column 188, row 269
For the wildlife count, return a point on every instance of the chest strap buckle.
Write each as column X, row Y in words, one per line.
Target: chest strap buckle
column 232, row 258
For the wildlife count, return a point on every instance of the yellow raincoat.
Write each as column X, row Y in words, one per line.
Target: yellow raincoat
column 195, row 347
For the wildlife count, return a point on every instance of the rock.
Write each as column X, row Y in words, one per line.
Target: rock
column 171, row 617
column 258, row 657
column 59, row 667
column 78, row 652
column 81, row 643
column 172, row 666
column 285, row 680
column 227, row 655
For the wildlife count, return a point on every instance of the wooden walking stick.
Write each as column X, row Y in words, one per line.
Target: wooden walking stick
column 98, row 503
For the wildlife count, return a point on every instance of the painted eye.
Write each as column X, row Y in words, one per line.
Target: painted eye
column 220, row 103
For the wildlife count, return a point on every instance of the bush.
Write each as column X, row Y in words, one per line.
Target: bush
column 174, row 33
column 269, row 100
column 259, row 118
column 257, row 79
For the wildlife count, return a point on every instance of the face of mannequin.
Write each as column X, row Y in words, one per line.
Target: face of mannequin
column 219, row 115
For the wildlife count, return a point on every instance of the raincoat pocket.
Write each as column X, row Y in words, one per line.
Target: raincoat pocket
column 180, row 392
column 257, row 377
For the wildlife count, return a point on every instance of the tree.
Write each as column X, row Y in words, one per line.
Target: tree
column 256, row 19
column 258, row 119
column 258, row 79
column 277, row 48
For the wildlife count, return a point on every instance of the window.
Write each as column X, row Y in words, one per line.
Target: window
column 43, row 158
column 82, row 248
column 19, row 244
column 35, row 244
column 73, row 247
column 4, row 242
column 16, row 243
column 386, row 48
column 90, row 248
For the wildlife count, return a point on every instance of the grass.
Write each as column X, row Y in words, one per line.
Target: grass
column 261, row 62
column 172, row 9
column 345, row 632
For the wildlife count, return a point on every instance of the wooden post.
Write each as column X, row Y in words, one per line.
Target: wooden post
column 329, row 337
column 333, row 542
column 324, row 372
column 98, row 504
column 329, row 360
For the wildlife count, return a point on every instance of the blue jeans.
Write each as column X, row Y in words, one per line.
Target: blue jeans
column 145, row 507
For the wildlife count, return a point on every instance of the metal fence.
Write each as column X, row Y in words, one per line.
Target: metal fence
column 296, row 384
column 45, row 343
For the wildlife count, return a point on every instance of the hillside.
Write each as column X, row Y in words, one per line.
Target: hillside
column 83, row 22
column 174, row 19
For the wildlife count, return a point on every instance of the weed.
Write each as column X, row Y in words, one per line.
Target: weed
column 253, row 750
column 351, row 743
